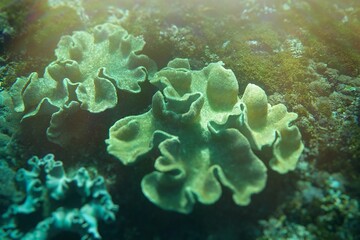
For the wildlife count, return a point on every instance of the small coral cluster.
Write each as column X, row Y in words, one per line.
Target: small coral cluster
column 207, row 135
column 62, row 203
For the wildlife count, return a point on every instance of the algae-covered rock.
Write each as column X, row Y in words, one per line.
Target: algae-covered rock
column 92, row 70
column 206, row 136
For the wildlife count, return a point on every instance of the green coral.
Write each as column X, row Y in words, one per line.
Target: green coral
column 91, row 74
column 205, row 135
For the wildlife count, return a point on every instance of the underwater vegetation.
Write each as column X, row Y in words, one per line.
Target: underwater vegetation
column 208, row 120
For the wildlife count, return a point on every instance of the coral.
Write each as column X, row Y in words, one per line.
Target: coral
column 266, row 43
column 91, row 74
column 262, row 121
column 205, row 135
column 71, row 204
column 296, row 47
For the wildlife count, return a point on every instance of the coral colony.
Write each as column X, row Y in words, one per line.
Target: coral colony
column 192, row 113
column 46, row 186
column 105, row 137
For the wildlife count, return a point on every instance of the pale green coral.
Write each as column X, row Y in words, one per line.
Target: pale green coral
column 92, row 71
column 263, row 122
column 107, row 53
column 205, row 135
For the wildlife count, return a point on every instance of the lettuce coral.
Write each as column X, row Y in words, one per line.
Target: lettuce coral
column 91, row 74
column 71, row 204
column 261, row 124
column 206, row 136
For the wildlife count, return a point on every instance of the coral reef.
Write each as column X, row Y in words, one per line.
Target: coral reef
column 304, row 54
column 205, row 134
column 61, row 203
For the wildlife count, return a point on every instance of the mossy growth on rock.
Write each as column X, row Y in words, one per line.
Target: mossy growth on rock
column 206, row 136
